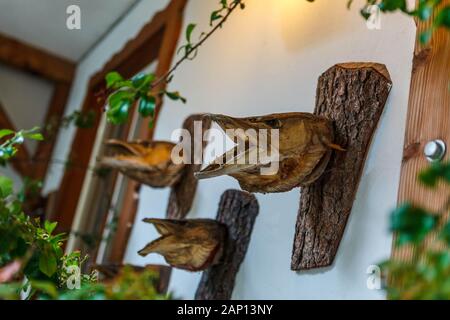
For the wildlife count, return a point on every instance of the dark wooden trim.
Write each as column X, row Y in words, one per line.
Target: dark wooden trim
column 142, row 44
column 127, row 217
column 22, row 159
column 37, row 61
column 42, row 156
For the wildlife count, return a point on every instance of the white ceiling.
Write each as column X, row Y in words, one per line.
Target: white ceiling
column 42, row 23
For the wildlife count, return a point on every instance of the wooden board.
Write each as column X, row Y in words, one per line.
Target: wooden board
column 183, row 193
column 353, row 95
column 36, row 61
column 238, row 211
column 428, row 118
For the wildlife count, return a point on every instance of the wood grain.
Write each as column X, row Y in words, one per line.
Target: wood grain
column 352, row 95
column 238, row 211
column 35, row 60
column 428, row 118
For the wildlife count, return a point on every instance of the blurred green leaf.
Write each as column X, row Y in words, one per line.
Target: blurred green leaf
column 6, row 187
column 190, row 28
column 147, row 106
column 175, row 96
column 445, row 233
column 50, row 226
column 412, row 224
column 215, row 15
column 119, row 114
column 118, row 97
column 142, row 81
column 5, row 132
column 443, row 18
column 112, row 79
column 34, row 136
column 47, row 262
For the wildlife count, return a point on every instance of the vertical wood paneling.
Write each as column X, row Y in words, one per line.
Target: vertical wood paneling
column 428, row 118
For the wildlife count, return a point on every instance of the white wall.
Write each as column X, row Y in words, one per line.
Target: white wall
column 267, row 59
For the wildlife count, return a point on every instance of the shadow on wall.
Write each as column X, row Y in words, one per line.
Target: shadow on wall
column 304, row 24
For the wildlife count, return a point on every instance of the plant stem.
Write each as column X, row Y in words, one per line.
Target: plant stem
column 195, row 47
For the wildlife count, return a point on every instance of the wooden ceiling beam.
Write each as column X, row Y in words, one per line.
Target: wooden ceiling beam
column 28, row 58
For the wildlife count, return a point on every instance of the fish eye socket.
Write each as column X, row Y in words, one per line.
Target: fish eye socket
column 274, row 123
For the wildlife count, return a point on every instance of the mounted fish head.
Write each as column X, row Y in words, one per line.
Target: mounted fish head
column 192, row 245
column 146, row 162
column 274, row 153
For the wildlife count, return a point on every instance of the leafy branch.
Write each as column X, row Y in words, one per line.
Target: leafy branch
column 143, row 86
column 222, row 14
column 9, row 147
column 426, row 275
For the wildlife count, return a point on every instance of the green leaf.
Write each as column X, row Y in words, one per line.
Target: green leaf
column 393, row 5
column 443, row 17
column 6, row 187
column 215, row 15
column 147, row 106
column 34, row 136
column 431, row 176
column 445, row 233
column 412, row 224
column 425, row 36
column 5, row 132
column 47, row 262
column 175, row 96
column 143, row 81
column 50, row 226
column 425, row 11
column 117, row 98
column 190, row 28
column 46, row 288
column 85, row 120
column 119, row 114
column 112, row 79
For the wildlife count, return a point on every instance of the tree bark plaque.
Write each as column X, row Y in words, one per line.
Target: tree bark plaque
column 353, row 95
column 183, row 193
column 238, row 211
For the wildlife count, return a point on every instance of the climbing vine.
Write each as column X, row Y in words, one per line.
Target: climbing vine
column 124, row 93
column 141, row 88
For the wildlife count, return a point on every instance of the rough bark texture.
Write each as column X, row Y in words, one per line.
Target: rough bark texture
column 238, row 211
column 353, row 95
column 183, row 192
